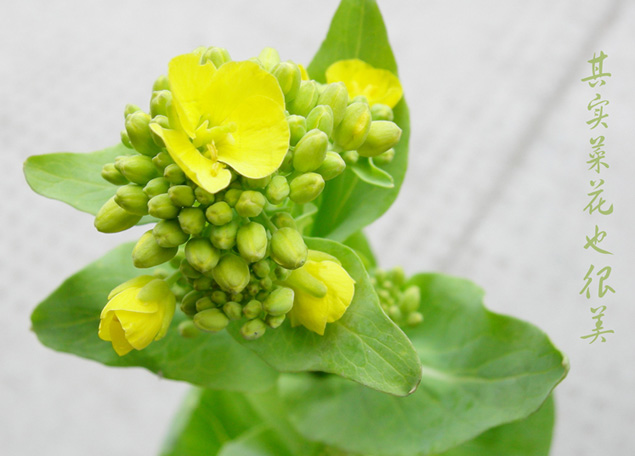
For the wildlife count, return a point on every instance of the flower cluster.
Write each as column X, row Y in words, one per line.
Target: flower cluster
column 229, row 158
column 399, row 301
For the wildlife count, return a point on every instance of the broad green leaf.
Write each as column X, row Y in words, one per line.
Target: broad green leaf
column 528, row 437
column 259, row 441
column 348, row 204
column 366, row 170
column 359, row 243
column 206, row 420
column 480, row 370
column 68, row 320
column 74, row 178
column 364, row 345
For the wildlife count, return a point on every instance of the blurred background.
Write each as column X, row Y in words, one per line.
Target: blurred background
column 494, row 192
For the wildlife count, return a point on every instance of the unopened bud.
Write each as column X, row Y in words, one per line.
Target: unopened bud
column 161, row 83
column 384, row 158
column 289, row 78
column 250, row 203
column 332, row 166
column 233, row 310
column 269, row 58
column 224, row 237
column 256, row 183
column 148, row 253
column 252, row 242
column 217, row 55
column 411, row 299
column 164, row 123
column 137, row 168
column 125, row 140
column 359, row 99
column 112, row 174
column 181, row 195
column 132, row 199
column 261, row 268
column 336, row 96
column 156, row 186
column 111, row 218
column 394, row 312
column 188, row 330
column 306, row 188
column 219, row 297
column 381, row 112
column 279, row 301
column 204, row 303
column 211, row 320
column 288, row 248
column 138, row 129
column 203, row 283
column 287, row 163
column 161, row 206
column 282, row 219
column 350, row 157
column 188, row 303
column 277, row 190
column 174, row 174
column 160, row 102
column 129, row 109
column 275, row 322
column 352, row 132
column 192, row 220
column 219, row 213
column 310, row 151
column 252, row 309
column 168, row 233
column 201, row 254
column 231, row 273
column 161, row 160
column 187, row 270
column 305, row 100
column 382, row 135
column 203, row 196
column 414, row 318
column 232, row 196
column 321, row 117
column 297, row 128
column 253, row 329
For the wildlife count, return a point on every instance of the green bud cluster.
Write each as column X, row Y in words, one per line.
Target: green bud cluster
column 399, row 301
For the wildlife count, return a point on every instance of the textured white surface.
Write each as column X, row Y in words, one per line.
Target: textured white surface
column 494, row 191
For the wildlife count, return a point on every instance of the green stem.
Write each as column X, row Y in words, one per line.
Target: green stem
column 172, row 278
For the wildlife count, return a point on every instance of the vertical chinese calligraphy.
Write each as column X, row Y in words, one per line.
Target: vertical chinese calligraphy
column 597, row 279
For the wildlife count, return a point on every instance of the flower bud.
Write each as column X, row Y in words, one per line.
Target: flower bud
column 252, row 242
column 174, row 174
column 224, row 237
column 336, row 96
column 112, row 174
column 203, row 196
column 287, row 163
column 219, row 213
column 132, row 199
column 204, row 303
column 277, row 190
column 111, row 218
column 394, row 312
column 211, row 320
column 306, row 188
column 181, row 195
column 279, row 301
column 169, row 234
column 288, row 248
column 411, row 299
column 217, row 55
column 310, row 151
column 332, row 166
column 147, row 252
column 161, row 160
column 266, row 283
column 305, row 100
column 219, row 297
column 252, row 309
column 233, row 310
column 161, row 83
column 414, row 318
column 231, row 273
column 321, row 117
column 382, row 135
column 250, row 203
column 289, row 78
column 253, row 329
column 125, row 140
column 381, row 112
column 384, row 158
column 137, row 168
column 188, row 303
column 129, row 109
column 188, row 330
column 297, row 128
column 187, row 270
column 269, row 58
column 161, row 206
column 232, row 196
column 138, row 129
column 192, row 220
column 353, row 130
column 275, row 322
column 359, row 99
column 160, row 102
column 201, row 254
column 257, row 183
column 156, row 186
column 282, row 219
column 163, row 122
column 203, row 283
column 261, row 268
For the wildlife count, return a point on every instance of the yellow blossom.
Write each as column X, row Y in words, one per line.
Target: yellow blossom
column 323, row 290
column 231, row 116
column 376, row 84
column 303, row 73
column 138, row 312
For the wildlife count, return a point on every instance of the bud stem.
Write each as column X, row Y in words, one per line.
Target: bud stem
column 266, row 220
column 172, row 278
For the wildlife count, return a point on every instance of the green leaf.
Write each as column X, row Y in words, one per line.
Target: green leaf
column 364, row 345
column 68, row 320
column 348, row 203
column 366, row 170
column 359, row 243
column 74, row 178
column 480, row 370
column 528, row 437
column 259, row 441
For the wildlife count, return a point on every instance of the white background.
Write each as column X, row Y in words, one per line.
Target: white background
column 494, row 192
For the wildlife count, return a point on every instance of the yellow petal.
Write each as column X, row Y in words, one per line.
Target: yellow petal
column 140, row 329
column 190, row 84
column 303, row 73
column 235, row 82
column 137, row 282
column 261, row 139
column 127, row 300
column 118, row 338
column 212, row 176
column 376, row 84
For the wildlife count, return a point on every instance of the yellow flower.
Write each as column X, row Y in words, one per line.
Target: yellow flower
column 138, row 312
column 231, row 116
column 360, row 78
column 303, row 73
column 323, row 290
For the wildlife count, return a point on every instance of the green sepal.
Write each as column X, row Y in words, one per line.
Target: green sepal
column 366, row 170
